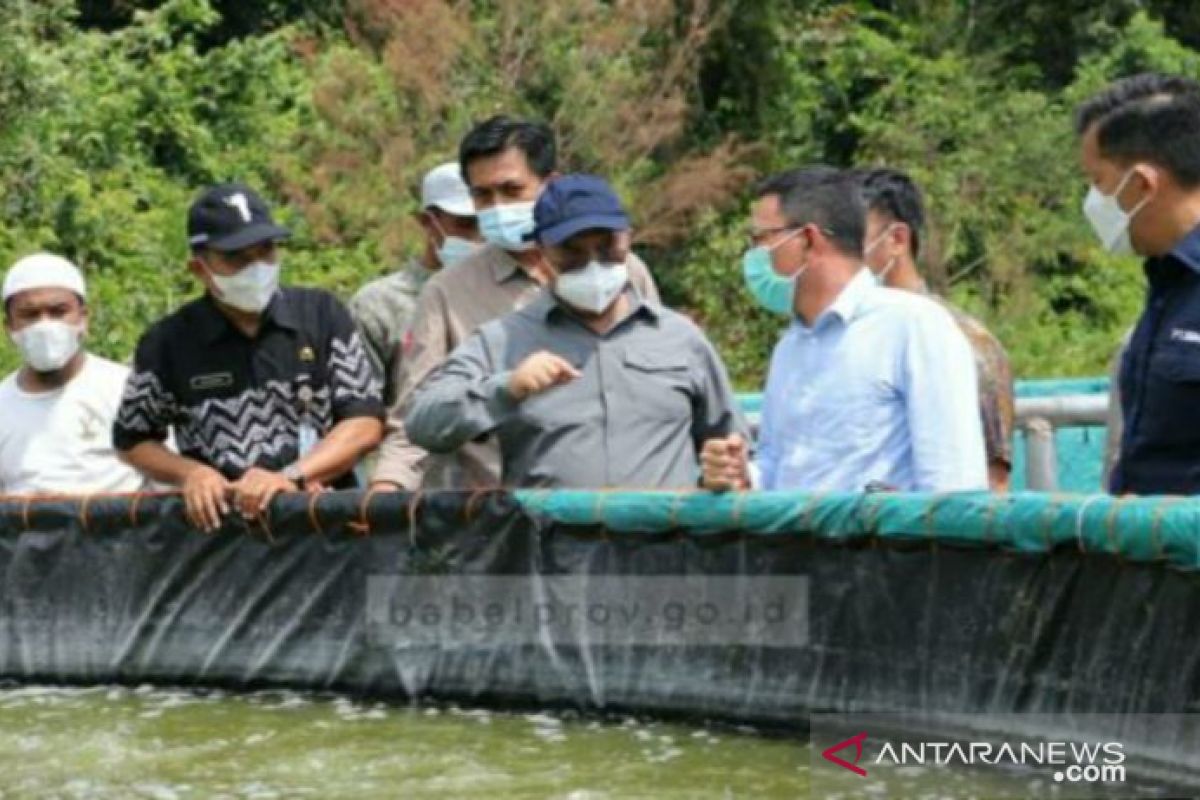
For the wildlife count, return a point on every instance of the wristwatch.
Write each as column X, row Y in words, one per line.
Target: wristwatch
column 294, row 474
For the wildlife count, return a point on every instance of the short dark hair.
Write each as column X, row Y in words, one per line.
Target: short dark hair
column 822, row 195
column 1148, row 117
column 490, row 137
column 894, row 194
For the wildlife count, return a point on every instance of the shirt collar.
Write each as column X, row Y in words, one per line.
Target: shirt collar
column 503, row 265
column 850, row 301
column 213, row 324
column 1187, row 251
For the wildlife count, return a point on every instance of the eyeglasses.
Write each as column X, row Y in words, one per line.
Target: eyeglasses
column 756, row 237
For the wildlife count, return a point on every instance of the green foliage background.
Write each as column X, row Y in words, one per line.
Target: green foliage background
column 114, row 112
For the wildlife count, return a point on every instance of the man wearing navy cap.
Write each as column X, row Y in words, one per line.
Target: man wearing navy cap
column 268, row 389
column 588, row 386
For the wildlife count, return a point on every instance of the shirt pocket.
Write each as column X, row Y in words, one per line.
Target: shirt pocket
column 1177, row 365
column 659, row 383
column 865, row 409
column 1173, row 393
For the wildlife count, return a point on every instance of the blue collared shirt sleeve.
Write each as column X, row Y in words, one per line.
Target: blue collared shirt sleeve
column 765, row 467
column 942, row 395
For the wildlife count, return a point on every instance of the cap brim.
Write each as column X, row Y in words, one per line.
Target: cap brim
column 248, row 237
column 455, row 208
column 557, row 234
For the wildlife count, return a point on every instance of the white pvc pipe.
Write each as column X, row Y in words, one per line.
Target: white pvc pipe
column 1065, row 411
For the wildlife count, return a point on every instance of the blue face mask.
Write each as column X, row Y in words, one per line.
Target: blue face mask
column 773, row 291
column 455, row 249
column 507, row 225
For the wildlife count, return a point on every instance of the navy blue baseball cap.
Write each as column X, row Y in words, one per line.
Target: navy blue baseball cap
column 231, row 216
column 574, row 203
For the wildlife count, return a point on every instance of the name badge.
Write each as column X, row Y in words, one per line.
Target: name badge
column 1184, row 335
column 215, row 380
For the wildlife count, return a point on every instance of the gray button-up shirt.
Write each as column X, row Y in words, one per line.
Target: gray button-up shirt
column 652, row 390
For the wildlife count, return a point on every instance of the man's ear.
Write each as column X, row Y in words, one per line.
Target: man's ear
column 198, row 268
column 1151, row 176
column 810, row 234
column 421, row 218
column 625, row 240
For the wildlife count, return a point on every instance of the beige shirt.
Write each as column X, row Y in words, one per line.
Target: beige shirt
column 453, row 304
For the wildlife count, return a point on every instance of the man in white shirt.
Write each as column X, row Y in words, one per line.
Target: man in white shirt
column 58, row 408
column 869, row 387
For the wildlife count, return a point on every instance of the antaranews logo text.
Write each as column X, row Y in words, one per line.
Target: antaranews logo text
column 1073, row 762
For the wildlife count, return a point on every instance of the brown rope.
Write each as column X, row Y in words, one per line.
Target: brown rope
column 598, row 513
column 810, row 506
column 133, row 510
column 1053, row 504
column 927, row 519
column 470, row 509
column 263, row 520
column 413, row 510
column 1110, row 525
column 673, row 518
column 870, row 515
column 363, row 526
column 1160, row 510
column 990, row 518
column 314, row 516
column 739, row 499
column 83, row 514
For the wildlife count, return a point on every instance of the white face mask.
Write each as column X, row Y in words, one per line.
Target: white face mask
column 1109, row 220
column 251, row 288
column 48, row 345
column 593, row 288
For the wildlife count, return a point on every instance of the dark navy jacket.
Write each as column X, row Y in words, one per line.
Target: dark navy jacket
column 1160, row 381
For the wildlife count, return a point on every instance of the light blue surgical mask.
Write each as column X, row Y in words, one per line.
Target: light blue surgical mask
column 773, row 291
column 507, row 225
column 454, row 249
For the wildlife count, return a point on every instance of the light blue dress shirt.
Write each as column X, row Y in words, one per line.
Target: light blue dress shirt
column 881, row 388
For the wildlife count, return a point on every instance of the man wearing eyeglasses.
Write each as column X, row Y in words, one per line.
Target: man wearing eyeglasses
column 870, row 387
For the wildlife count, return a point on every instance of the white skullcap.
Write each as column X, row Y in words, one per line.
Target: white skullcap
column 444, row 188
column 43, row 271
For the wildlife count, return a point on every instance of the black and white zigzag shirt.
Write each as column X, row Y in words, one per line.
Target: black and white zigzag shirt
column 236, row 402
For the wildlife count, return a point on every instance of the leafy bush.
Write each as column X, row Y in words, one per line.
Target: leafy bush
column 114, row 113
column 995, row 156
